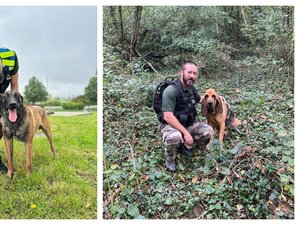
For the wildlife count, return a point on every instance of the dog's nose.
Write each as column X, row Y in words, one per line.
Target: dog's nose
column 209, row 103
column 13, row 105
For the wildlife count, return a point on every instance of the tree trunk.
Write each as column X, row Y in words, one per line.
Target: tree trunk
column 135, row 32
column 112, row 11
column 121, row 25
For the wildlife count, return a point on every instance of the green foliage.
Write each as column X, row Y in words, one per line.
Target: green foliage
column 90, row 91
column 35, row 91
column 73, row 105
column 270, row 25
column 54, row 102
column 212, row 36
column 251, row 176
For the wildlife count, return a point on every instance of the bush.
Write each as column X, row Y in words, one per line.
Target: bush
column 54, row 102
column 73, row 105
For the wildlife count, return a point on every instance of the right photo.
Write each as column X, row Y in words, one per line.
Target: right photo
column 198, row 112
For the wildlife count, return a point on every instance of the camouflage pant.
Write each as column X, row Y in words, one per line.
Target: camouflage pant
column 200, row 131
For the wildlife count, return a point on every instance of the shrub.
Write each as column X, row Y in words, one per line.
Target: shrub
column 73, row 105
column 54, row 102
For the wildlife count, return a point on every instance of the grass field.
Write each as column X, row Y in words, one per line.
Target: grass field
column 62, row 188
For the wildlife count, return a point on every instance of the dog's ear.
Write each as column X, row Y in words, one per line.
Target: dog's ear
column 203, row 107
column 219, row 108
column 21, row 98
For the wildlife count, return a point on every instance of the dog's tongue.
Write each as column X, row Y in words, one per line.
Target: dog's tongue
column 12, row 116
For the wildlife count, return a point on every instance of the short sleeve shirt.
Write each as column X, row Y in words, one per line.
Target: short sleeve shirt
column 169, row 98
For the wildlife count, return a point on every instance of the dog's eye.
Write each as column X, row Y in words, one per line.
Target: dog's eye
column 206, row 96
column 214, row 96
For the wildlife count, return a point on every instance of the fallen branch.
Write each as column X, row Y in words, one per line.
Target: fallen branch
column 148, row 63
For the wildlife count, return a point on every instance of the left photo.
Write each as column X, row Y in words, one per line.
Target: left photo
column 48, row 112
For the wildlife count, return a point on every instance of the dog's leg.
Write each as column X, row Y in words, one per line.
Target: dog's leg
column 221, row 135
column 48, row 133
column 28, row 147
column 10, row 167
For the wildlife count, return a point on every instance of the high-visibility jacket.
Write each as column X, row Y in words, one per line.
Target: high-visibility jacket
column 10, row 66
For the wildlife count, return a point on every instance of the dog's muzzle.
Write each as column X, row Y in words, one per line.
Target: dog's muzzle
column 210, row 107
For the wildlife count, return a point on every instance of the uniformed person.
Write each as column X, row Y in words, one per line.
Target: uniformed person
column 9, row 67
column 180, row 130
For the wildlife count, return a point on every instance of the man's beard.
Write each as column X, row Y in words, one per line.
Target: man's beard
column 188, row 81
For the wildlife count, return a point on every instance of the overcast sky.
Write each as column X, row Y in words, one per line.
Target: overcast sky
column 54, row 43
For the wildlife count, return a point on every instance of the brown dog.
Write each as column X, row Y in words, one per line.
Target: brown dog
column 21, row 121
column 217, row 112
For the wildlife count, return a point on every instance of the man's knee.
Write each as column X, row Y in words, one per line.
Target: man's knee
column 202, row 133
column 174, row 138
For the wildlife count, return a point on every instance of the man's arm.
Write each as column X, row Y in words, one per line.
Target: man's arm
column 14, row 84
column 173, row 122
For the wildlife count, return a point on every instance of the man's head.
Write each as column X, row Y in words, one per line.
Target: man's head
column 188, row 73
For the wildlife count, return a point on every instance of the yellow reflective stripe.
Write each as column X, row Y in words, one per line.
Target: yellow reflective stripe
column 7, row 54
column 8, row 62
column 11, row 68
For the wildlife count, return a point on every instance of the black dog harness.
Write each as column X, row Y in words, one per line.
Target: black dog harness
column 229, row 116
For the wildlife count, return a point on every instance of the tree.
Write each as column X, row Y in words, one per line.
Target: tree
column 136, row 31
column 90, row 91
column 35, row 91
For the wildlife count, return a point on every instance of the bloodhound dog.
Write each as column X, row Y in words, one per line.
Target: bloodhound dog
column 218, row 113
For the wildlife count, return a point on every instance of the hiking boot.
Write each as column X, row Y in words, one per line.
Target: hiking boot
column 171, row 165
column 185, row 151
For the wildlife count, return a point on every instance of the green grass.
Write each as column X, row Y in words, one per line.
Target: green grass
column 61, row 188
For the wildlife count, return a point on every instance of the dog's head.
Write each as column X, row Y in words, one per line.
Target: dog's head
column 211, row 102
column 11, row 105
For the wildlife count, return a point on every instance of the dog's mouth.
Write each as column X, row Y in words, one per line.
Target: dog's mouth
column 12, row 115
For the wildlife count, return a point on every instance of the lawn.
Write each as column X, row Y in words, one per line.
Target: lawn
column 61, row 188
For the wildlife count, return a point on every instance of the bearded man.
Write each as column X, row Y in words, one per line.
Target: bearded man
column 179, row 128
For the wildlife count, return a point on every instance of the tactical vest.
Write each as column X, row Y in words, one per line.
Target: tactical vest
column 8, row 60
column 185, row 109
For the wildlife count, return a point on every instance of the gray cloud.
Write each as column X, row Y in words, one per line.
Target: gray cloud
column 57, row 44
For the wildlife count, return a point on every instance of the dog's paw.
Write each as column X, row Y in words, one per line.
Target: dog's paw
column 55, row 155
column 10, row 174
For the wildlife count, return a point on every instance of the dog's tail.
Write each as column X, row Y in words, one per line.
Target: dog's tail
column 49, row 112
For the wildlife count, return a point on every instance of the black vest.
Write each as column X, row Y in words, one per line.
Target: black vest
column 185, row 109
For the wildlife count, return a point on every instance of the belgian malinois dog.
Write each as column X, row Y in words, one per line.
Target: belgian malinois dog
column 21, row 121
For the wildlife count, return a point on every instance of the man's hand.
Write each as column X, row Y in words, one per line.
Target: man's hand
column 173, row 122
column 188, row 138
